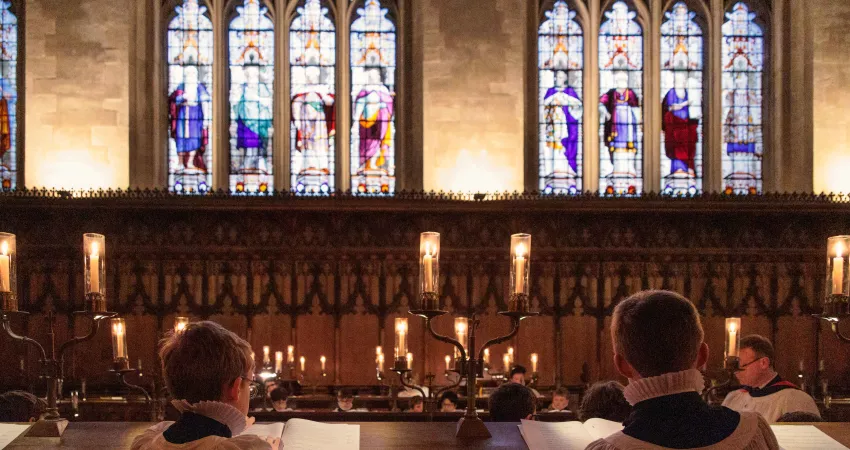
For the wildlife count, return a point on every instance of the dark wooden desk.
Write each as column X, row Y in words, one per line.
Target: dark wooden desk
column 373, row 435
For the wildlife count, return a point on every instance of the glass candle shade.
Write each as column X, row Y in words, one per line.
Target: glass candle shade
column 290, row 355
column 462, row 330
column 323, row 361
column 266, row 355
column 94, row 266
column 733, row 337
column 534, row 359
column 506, row 362
column 487, row 356
column 379, row 362
column 278, row 362
column 8, row 272
column 837, row 283
column 401, row 332
column 520, row 264
column 448, row 362
column 180, row 323
column 303, row 362
column 511, row 354
column 119, row 339
column 429, row 270
column 409, row 359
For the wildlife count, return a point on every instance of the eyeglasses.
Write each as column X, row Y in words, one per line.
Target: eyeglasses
column 253, row 387
column 744, row 366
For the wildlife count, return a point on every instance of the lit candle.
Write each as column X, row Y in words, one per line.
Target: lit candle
column 448, row 362
column 733, row 326
column 519, row 267
column 838, row 269
column 278, row 362
column 322, row 360
column 400, row 338
column 427, row 262
column 506, row 359
column 461, row 326
column 378, row 351
column 5, row 284
column 290, row 354
column 381, row 362
column 119, row 339
column 303, row 361
column 180, row 323
column 94, row 268
column 410, row 361
column 533, row 362
column 266, row 357
column 486, row 356
column 511, row 353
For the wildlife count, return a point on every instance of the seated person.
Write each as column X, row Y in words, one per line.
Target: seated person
column 518, row 376
column 21, row 406
column 800, row 416
column 658, row 345
column 449, row 401
column 560, row 400
column 269, row 385
column 278, row 398
column 512, row 402
column 208, row 371
column 263, row 402
column 604, row 400
column 764, row 391
column 344, row 400
column 416, row 404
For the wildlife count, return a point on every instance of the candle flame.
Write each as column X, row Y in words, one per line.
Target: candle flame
column 409, row 359
column 278, row 356
column 303, row 360
column 381, row 359
column 401, row 326
column 486, row 352
column 323, row 359
column 534, row 357
column 839, row 249
column 520, row 250
column 181, row 326
column 266, row 350
column 428, row 249
column 511, row 351
column 4, row 248
column 290, row 349
column 448, row 359
column 95, row 249
column 118, row 328
column 460, row 327
column 379, row 351
column 733, row 327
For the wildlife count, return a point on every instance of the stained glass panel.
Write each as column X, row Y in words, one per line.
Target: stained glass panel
column 681, row 102
column 9, row 97
column 560, row 61
column 373, row 65
column 189, row 59
column 251, row 40
column 743, row 67
column 621, row 91
column 312, row 58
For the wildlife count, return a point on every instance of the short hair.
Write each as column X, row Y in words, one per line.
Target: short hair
column 20, row 406
column 200, row 360
column 450, row 396
column 512, row 402
column 657, row 332
column 562, row 392
column 279, row 394
column 760, row 345
column 415, row 400
column 604, row 400
column 343, row 394
column 518, row 369
column 799, row 416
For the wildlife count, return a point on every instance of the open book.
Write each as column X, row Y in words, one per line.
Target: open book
column 565, row 435
column 804, row 437
column 298, row 434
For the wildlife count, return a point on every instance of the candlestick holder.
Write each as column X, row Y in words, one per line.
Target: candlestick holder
column 52, row 424
column 121, row 369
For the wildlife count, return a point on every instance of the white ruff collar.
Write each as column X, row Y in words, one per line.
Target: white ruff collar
column 218, row 411
column 664, row 384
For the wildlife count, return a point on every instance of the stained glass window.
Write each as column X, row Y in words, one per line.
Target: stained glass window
column 560, row 61
column 681, row 102
column 373, row 65
column 312, row 58
column 9, row 98
column 251, row 55
column 620, row 118
column 190, row 59
column 743, row 66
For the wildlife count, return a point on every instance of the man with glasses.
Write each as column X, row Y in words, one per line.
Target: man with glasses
column 763, row 390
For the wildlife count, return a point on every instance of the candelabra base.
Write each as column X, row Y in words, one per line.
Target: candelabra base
column 48, row 428
column 472, row 428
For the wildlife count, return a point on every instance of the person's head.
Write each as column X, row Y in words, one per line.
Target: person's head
column 621, row 79
column 560, row 399
column 756, row 357
column 190, row 74
column 344, row 399
column 278, row 397
column 416, row 404
column 604, row 400
column 205, row 361
column 269, row 385
column 20, row 406
column 448, row 401
column 656, row 332
column 518, row 374
column 799, row 416
column 560, row 78
column 512, row 402
column 680, row 79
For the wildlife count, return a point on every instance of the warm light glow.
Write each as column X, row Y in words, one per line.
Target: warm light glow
column 520, row 250
column 838, row 249
column 486, row 355
column 733, row 327
column 409, row 360
column 117, row 328
column 401, row 326
column 4, row 248
column 534, row 358
column 77, row 169
column 180, row 323
column 428, row 249
column 474, row 172
column 95, row 249
column 448, row 362
column 832, row 167
column 379, row 351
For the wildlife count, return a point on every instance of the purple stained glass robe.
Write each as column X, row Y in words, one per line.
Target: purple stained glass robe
column 621, row 129
column 570, row 142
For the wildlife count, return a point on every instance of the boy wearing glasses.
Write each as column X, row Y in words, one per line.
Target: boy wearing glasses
column 208, row 371
column 763, row 390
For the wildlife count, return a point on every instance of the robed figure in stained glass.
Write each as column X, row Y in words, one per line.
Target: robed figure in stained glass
column 619, row 111
column 563, row 110
column 373, row 110
column 680, row 129
column 738, row 122
column 186, row 114
column 254, row 121
column 314, row 120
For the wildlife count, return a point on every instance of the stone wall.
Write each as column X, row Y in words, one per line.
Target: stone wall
column 77, row 86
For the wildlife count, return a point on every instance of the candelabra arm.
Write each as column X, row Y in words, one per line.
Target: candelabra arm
column 455, row 384
column 121, row 376
column 514, row 331
column 95, row 324
column 834, row 325
column 410, row 386
column 447, row 340
column 7, row 327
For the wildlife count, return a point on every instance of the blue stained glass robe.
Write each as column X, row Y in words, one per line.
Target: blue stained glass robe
column 187, row 119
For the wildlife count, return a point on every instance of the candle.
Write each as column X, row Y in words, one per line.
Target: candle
column 290, row 354
column 838, row 269
column 322, row 360
column 448, row 362
column 378, row 351
column 278, row 362
column 821, row 366
column 486, row 356
column 511, row 353
column 266, row 357
column 180, row 323
column 5, row 284
column 427, row 262
column 303, row 361
column 733, row 327
column 410, row 361
column 94, row 268
column 381, row 362
column 519, row 267
column 533, row 362
column 400, row 338
column 461, row 326
column 119, row 339
column 506, row 359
